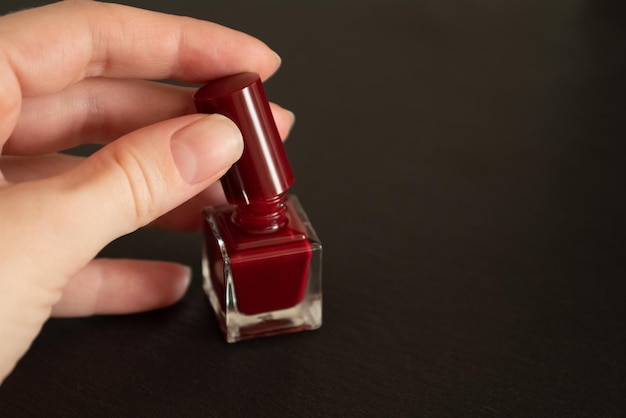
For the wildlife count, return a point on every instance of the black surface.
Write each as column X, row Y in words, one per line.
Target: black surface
column 462, row 163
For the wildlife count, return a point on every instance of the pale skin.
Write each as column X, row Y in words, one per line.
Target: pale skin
column 78, row 72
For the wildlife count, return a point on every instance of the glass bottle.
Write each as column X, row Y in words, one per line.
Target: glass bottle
column 262, row 257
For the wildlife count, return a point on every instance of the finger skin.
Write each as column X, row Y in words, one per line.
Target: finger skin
column 188, row 216
column 121, row 286
column 100, row 110
column 73, row 40
column 21, row 169
column 46, row 49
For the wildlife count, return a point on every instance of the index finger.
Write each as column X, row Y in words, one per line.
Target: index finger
column 51, row 47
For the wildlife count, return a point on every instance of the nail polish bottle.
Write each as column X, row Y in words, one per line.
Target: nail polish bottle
column 262, row 258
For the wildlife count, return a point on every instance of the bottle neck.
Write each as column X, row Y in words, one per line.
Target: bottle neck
column 262, row 217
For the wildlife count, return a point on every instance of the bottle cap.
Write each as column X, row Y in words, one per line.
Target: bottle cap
column 263, row 170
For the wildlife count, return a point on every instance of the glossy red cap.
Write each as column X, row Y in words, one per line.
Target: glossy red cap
column 263, row 170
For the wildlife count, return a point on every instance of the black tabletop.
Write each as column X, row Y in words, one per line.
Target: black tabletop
column 462, row 163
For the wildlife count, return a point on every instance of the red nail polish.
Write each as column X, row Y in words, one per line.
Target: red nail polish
column 262, row 258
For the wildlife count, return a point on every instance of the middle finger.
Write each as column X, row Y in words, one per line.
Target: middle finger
column 95, row 111
column 100, row 110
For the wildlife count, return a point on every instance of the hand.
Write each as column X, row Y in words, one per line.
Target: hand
column 75, row 72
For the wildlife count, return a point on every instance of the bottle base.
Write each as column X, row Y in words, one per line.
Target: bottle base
column 261, row 285
column 236, row 326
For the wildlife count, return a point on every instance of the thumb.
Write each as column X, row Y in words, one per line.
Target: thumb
column 134, row 180
column 151, row 171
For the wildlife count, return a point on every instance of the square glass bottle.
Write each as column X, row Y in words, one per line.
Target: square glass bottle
column 262, row 284
column 262, row 257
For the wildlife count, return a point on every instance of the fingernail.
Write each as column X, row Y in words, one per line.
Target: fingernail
column 279, row 60
column 182, row 282
column 292, row 117
column 206, row 147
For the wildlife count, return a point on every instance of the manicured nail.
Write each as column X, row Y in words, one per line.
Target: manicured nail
column 206, row 147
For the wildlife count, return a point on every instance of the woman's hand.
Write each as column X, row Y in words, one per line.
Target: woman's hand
column 78, row 72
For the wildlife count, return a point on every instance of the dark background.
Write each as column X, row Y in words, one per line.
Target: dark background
column 462, row 163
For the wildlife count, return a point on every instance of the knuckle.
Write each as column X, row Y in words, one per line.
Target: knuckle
column 142, row 181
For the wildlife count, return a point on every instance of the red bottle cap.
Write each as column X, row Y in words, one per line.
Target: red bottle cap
column 263, row 171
